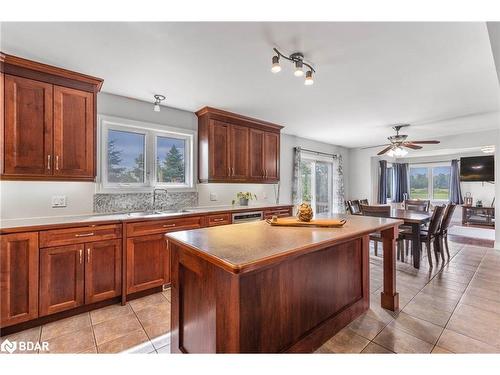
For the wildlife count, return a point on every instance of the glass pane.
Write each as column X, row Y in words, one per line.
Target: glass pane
column 441, row 182
column 389, row 178
column 305, row 175
column 419, row 183
column 125, row 157
column 323, row 187
column 170, row 160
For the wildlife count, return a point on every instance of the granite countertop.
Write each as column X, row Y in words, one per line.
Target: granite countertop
column 117, row 217
column 228, row 246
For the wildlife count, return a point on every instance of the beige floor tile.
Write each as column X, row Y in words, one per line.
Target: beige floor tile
column 89, row 351
column 419, row 328
column 142, row 348
column 430, row 314
column 449, row 284
column 373, row 348
column 438, row 303
column 157, row 330
column 401, row 342
column 73, row 342
column 141, row 303
column 154, row 314
column 439, row 350
column 61, row 327
column 476, row 323
column 161, row 340
column 458, row 343
column 115, row 328
column 481, row 303
column 164, row 350
column 168, row 294
column 485, row 293
column 109, row 312
column 367, row 326
column 122, row 343
column 31, row 335
column 441, row 292
column 346, row 341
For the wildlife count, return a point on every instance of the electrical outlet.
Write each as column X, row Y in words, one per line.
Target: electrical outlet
column 58, row 201
column 213, row 196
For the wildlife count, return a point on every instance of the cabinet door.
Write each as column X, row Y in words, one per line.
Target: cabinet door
column 271, row 156
column 18, row 278
column 239, row 152
column 103, row 270
column 256, row 154
column 148, row 262
column 61, row 278
column 73, row 133
column 219, row 150
column 27, row 127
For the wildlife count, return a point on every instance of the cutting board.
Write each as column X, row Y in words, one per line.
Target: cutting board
column 294, row 222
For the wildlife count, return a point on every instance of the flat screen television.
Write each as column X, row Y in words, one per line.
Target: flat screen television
column 477, row 168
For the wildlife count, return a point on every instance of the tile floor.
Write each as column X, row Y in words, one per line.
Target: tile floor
column 450, row 309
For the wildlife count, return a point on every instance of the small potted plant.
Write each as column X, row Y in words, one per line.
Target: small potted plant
column 244, row 197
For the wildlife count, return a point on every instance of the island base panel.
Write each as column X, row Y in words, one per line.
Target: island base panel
column 294, row 305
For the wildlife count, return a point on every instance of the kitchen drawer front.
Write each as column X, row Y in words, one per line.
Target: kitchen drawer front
column 218, row 219
column 69, row 236
column 281, row 212
column 163, row 226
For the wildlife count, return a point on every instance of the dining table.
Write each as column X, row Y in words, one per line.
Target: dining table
column 414, row 219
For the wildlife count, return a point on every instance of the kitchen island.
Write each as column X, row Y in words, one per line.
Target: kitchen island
column 254, row 288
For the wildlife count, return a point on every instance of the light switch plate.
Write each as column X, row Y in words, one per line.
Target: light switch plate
column 213, row 196
column 58, row 201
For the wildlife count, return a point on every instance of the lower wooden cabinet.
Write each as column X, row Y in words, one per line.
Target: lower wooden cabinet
column 61, row 278
column 73, row 275
column 18, row 278
column 148, row 262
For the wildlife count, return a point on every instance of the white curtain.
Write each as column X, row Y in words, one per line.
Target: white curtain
column 338, row 206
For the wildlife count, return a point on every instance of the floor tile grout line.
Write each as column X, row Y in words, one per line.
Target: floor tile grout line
column 462, row 296
column 142, row 326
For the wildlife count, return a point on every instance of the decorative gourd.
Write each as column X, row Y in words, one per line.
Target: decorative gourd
column 304, row 212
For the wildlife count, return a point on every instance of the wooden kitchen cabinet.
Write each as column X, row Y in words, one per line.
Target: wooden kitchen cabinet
column 235, row 148
column 61, row 278
column 49, row 122
column 103, row 270
column 18, row 278
column 148, row 262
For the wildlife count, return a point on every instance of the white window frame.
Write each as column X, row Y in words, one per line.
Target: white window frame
column 430, row 179
column 313, row 159
column 151, row 132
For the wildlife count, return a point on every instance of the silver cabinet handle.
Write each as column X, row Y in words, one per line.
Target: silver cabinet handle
column 88, row 255
column 57, row 162
column 81, row 253
column 168, row 225
column 48, row 162
column 219, row 219
column 84, row 234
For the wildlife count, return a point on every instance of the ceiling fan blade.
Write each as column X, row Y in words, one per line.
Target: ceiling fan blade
column 384, row 150
column 377, row 146
column 411, row 145
column 426, row 142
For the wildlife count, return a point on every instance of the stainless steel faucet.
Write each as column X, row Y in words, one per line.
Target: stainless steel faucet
column 154, row 196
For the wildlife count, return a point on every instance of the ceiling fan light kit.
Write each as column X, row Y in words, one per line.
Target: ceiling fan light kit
column 297, row 59
column 398, row 144
column 158, row 100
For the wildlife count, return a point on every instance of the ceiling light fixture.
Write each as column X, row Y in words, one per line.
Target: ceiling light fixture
column 297, row 59
column 158, row 100
column 488, row 149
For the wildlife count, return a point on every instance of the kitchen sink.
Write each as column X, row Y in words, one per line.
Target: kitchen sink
column 154, row 213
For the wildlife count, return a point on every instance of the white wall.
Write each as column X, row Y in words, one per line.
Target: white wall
column 21, row 199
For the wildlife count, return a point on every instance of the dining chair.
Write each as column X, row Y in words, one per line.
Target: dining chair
column 421, row 205
column 430, row 235
column 364, row 201
column 378, row 211
column 354, row 207
column 443, row 229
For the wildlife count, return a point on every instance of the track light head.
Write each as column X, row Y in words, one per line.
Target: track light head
column 309, row 78
column 276, row 67
column 158, row 100
column 298, row 69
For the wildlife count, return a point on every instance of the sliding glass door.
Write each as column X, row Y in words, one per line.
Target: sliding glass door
column 316, row 180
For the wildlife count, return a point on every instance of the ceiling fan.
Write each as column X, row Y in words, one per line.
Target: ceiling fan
column 398, row 141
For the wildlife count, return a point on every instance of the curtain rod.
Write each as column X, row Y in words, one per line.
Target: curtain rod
column 317, row 152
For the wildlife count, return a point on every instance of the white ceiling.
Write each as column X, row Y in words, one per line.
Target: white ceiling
column 437, row 76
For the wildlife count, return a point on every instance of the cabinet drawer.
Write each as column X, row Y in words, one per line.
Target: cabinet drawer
column 219, row 219
column 162, row 226
column 282, row 212
column 69, row 236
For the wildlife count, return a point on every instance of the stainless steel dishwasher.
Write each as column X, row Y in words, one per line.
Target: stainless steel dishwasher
column 245, row 217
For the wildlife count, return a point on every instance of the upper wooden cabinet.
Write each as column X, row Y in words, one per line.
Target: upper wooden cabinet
column 234, row 148
column 48, row 122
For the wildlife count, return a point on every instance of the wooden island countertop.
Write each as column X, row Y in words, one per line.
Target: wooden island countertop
column 257, row 288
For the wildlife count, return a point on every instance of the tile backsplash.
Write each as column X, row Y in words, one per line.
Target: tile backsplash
column 130, row 202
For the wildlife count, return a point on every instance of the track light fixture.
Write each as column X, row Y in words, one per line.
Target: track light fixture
column 158, row 100
column 297, row 59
